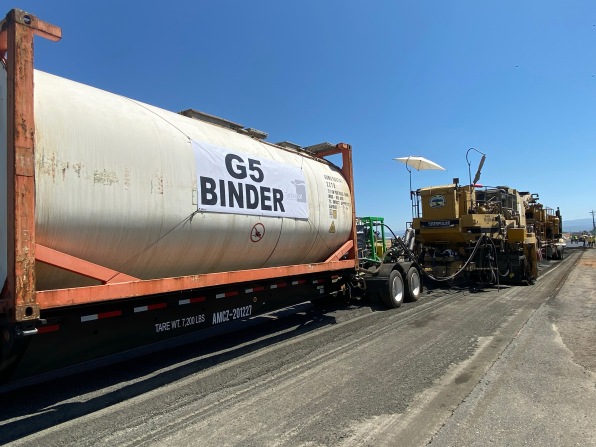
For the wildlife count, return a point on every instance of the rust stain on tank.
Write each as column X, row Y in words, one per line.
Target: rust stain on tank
column 49, row 165
column 105, row 177
column 157, row 183
column 126, row 179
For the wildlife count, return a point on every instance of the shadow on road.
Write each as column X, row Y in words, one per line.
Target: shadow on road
column 29, row 410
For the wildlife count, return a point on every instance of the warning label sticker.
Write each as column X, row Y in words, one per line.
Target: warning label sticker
column 337, row 199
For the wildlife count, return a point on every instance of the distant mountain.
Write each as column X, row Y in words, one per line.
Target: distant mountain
column 577, row 225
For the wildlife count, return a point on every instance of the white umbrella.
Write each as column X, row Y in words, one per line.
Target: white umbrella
column 418, row 163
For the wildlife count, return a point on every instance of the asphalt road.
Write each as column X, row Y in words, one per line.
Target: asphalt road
column 459, row 367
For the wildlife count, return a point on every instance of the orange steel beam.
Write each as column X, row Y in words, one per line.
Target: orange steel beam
column 80, row 266
column 16, row 42
column 331, row 151
column 345, row 248
column 95, row 294
column 347, row 170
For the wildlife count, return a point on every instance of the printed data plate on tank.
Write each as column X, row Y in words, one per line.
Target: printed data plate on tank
column 229, row 181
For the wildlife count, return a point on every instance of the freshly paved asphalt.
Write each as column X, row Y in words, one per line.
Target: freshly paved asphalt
column 508, row 367
column 542, row 390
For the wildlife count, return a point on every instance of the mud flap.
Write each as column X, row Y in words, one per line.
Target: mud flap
column 13, row 348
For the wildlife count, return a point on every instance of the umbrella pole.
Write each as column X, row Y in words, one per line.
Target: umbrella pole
column 419, row 163
column 411, row 195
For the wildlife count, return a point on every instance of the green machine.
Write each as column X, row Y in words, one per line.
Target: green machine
column 371, row 239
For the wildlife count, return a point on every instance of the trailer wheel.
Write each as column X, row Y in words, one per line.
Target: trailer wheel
column 413, row 284
column 394, row 295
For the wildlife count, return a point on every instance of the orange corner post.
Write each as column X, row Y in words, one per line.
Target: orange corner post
column 16, row 47
column 348, row 173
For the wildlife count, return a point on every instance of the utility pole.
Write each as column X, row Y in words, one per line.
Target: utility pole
column 593, row 222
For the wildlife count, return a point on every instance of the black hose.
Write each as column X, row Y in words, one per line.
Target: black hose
column 387, row 226
column 490, row 243
column 447, row 278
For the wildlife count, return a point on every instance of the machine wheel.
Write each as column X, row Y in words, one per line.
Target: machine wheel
column 413, row 284
column 394, row 295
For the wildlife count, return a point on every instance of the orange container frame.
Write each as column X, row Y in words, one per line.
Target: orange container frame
column 19, row 301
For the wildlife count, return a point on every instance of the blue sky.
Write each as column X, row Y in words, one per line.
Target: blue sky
column 514, row 79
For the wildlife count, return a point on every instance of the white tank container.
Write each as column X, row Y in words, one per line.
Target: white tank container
column 116, row 184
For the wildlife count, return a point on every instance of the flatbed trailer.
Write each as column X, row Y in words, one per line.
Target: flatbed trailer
column 50, row 321
column 43, row 330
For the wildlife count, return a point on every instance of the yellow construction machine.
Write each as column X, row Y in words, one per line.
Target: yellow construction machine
column 547, row 224
column 474, row 232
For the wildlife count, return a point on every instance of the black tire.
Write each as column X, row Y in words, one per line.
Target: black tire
column 413, row 284
column 393, row 296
